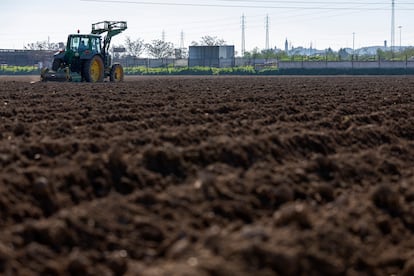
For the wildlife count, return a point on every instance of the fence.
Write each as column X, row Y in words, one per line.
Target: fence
column 26, row 57
column 45, row 58
column 346, row 64
column 151, row 63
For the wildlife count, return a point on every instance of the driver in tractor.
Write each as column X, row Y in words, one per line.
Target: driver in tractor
column 82, row 46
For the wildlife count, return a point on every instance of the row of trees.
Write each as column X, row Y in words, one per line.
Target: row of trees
column 163, row 49
column 157, row 48
column 42, row 45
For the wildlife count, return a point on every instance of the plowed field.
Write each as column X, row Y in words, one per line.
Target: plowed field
column 208, row 176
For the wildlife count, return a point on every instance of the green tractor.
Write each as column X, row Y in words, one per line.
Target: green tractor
column 86, row 58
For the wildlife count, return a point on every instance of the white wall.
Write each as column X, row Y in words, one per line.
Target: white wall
column 345, row 64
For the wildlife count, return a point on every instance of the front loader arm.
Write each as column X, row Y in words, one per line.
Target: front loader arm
column 112, row 28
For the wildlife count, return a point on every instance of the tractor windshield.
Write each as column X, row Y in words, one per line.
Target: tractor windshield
column 79, row 43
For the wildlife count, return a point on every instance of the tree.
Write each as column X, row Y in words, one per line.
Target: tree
column 384, row 55
column 247, row 54
column 343, row 54
column 134, row 47
column 282, row 55
column 268, row 53
column 330, row 54
column 256, row 53
column 408, row 53
column 42, row 45
column 211, row 41
column 160, row 49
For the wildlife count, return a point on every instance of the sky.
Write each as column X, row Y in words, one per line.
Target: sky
column 320, row 23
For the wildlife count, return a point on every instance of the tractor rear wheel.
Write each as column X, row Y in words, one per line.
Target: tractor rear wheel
column 117, row 73
column 93, row 69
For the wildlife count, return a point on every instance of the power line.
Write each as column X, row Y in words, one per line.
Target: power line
column 306, row 2
column 216, row 24
column 313, row 2
column 151, row 3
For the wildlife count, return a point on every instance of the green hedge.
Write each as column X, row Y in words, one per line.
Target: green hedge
column 243, row 70
column 18, row 70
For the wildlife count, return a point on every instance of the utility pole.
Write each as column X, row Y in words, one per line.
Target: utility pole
column 400, row 27
column 353, row 43
column 243, row 42
column 267, row 46
column 182, row 40
column 163, row 35
column 182, row 49
column 392, row 26
column 353, row 48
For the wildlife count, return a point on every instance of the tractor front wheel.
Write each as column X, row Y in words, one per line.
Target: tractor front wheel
column 93, row 69
column 57, row 63
column 117, row 73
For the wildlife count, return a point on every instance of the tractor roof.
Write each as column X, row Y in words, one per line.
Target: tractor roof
column 85, row 35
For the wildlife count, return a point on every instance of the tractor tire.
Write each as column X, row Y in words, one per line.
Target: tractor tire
column 57, row 63
column 117, row 73
column 93, row 70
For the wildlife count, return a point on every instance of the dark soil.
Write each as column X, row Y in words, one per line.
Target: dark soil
column 208, row 176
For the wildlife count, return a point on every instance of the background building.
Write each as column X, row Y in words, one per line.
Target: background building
column 212, row 56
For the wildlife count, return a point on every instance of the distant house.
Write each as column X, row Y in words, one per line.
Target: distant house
column 371, row 50
column 212, row 56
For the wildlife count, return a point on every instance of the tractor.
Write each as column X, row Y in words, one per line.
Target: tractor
column 86, row 57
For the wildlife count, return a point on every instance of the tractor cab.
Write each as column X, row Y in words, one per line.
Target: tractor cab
column 81, row 43
column 79, row 48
